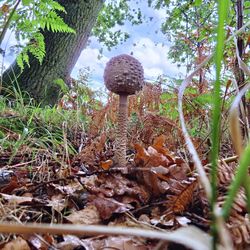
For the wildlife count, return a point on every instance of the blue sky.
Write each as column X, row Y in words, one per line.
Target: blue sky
column 151, row 50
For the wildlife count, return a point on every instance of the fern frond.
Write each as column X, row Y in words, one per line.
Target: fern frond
column 37, row 47
column 32, row 17
column 183, row 195
column 55, row 23
column 20, row 61
column 52, row 4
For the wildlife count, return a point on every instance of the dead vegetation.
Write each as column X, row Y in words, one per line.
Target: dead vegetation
column 161, row 190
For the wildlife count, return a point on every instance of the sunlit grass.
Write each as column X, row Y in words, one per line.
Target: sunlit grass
column 23, row 123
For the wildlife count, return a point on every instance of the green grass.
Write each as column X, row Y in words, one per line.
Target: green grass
column 35, row 127
column 223, row 8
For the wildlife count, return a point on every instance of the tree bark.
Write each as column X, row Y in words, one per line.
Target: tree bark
column 62, row 52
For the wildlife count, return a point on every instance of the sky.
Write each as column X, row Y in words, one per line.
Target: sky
column 151, row 50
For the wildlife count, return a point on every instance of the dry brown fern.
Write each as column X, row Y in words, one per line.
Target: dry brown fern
column 238, row 222
column 239, row 227
column 182, row 196
column 92, row 151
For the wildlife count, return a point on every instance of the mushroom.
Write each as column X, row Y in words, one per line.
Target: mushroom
column 124, row 76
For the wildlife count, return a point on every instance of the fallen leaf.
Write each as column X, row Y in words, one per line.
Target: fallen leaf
column 88, row 216
column 13, row 184
column 70, row 242
column 71, row 188
column 159, row 146
column 41, row 242
column 57, row 202
column 17, row 244
column 115, row 242
column 107, row 207
column 105, row 165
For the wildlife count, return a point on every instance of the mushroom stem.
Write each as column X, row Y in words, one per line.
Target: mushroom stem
column 121, row 141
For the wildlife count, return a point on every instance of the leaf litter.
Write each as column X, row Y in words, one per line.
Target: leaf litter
column 161, row 190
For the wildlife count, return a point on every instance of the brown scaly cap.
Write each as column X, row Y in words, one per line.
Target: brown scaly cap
column 124, row 75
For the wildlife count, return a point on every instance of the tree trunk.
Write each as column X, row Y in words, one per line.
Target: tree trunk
column 62, row 52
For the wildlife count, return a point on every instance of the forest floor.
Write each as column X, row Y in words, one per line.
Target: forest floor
column 56, row 170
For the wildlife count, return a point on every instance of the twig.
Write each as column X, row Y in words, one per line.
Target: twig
column 19, row 164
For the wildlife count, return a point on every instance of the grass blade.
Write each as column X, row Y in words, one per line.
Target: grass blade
column 223, row 8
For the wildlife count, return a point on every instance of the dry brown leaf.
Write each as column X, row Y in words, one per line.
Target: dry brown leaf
column 179, row 172
column 13, row 184
column 89, row 154
column 70, row 242
column 107, row 207
column 71, row 188
column 17, row 244
column 41, row 242
column 159, row 146
column 155, row 174
column 105, row 165
column 57, row 202
column 156, row 158
column 88, row 216
column 141, row 156
column 115, row 185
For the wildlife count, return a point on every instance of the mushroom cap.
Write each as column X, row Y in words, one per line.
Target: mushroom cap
column 124, row 75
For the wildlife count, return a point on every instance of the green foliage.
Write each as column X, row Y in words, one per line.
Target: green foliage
column 190, row 27
column 113, row 14
column 196, row 106
column 198, row 2
column 63, row 86
column 35, row 47
column 35, row 127
column 28, row 22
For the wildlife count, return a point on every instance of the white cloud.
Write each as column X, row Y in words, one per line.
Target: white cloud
column 89, row 58
column 9, row 56
column 152, row 56
column 152, row 72
column 154, row 59
column 161, row 14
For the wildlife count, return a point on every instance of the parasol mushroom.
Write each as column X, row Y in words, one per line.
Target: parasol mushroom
column 124, row 76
